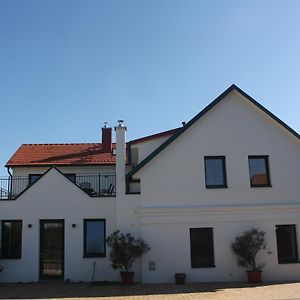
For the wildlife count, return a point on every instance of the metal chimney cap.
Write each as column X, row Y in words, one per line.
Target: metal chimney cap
column 105, row 125
column 120, row 123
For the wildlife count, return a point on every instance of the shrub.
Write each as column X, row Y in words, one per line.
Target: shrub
column 124, row 249
column 246, row 247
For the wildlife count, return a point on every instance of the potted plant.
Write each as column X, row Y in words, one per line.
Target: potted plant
column 246, row 247
column 124, row 249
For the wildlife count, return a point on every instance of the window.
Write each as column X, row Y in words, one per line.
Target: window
column 259, row 171
column 215, row 174
column 34, row 177
column 71, row 176
column 286, row 244
column 94, row 238
column 11, row 239
column 202, row 248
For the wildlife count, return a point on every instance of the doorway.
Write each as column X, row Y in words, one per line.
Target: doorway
column 52, row 249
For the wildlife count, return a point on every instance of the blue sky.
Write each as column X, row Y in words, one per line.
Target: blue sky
column 68, row 66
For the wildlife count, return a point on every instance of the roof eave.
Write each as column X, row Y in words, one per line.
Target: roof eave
column 58, row 165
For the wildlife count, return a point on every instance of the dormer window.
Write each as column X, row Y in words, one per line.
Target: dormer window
column 71, row 176
column 34, row 177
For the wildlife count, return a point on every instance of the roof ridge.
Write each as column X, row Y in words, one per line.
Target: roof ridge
column 155, row 135
column 211, row 105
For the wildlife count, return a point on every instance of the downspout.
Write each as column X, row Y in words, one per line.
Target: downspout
column 127, row 190
column 8, row 171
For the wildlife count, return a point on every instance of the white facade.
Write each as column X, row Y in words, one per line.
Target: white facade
column 50, row 198
column 173, row 199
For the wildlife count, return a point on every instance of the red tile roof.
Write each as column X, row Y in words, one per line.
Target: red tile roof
column 70, row 154
column 61, row 154
column 259, row 179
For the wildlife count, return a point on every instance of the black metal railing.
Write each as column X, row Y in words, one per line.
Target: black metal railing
column 11, row 187
column 95, row 185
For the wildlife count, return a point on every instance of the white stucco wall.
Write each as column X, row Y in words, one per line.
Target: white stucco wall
column 55, row 197
column 168, row 232
column 174, row 197
column 234, row 128
column 147, row 147
column 25, row 171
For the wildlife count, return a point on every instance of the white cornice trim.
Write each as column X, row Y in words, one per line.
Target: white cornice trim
column 219, row 209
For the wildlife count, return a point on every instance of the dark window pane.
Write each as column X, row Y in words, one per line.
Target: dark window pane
column 259, row 171
column 202, row 248
column 72, row 177
column 52, row 248
column 34, row 177
column 286, row 243
column 94, row 238
column 11, row 239
column 215, row 172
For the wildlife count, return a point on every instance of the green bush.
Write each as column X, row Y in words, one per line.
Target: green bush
column 246, row 247
column 124, row 249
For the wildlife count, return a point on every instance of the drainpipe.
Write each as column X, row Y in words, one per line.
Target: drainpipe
column 8, row 171
column 10, row 181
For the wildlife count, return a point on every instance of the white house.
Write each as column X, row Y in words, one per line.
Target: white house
column 187, row 192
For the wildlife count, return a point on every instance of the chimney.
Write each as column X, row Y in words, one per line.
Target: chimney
column 120, row 156
column 106, row 138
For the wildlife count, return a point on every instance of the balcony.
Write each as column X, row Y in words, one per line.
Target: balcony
column 95, row 185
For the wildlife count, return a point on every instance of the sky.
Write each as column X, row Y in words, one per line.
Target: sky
column 67, row 66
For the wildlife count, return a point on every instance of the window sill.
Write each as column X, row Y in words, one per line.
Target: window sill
column 216, row 186
column 289, row 262
column 133, row 193
column 94, row 256
column 261, row 186
column 204, row 267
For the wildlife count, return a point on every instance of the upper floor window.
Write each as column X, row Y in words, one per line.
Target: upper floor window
column 259, row 171
column 94, row 238
column 11, row 235
column 34, row 177
column 215, row 172
column 287, row 248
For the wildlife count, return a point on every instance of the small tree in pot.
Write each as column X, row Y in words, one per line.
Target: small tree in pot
column 124, row 250
column 246, row 247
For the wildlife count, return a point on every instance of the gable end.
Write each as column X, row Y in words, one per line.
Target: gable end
column 198, row 116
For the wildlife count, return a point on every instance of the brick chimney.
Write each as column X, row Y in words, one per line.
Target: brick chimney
column 106, row 138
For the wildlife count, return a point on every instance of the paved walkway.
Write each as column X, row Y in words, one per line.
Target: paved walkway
column 230, row 291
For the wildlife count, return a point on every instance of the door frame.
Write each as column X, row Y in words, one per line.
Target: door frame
column 42, row 222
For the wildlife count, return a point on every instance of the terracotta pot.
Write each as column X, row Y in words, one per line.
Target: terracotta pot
column 127, row 278
column 254, row 276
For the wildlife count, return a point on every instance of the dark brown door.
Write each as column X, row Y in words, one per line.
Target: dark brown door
column 51, row 249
